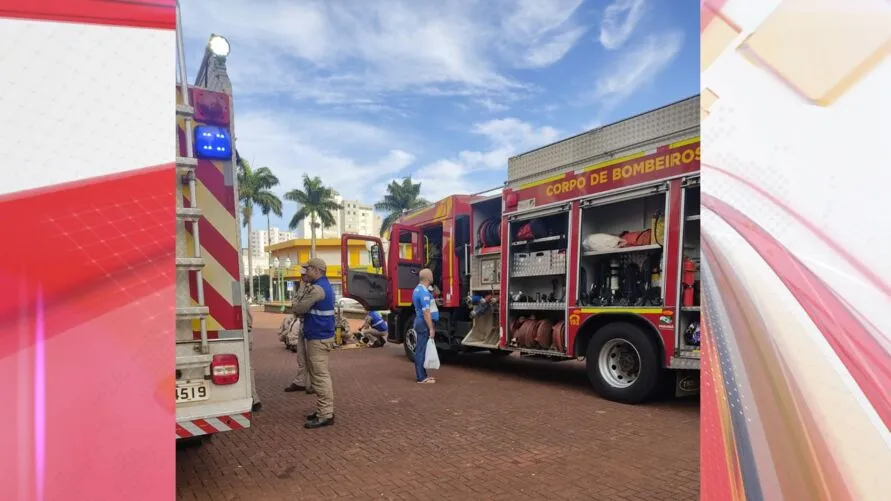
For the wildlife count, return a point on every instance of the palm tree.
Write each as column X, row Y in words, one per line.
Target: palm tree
column 254, row 191
column 316, row 202
column 400, row 198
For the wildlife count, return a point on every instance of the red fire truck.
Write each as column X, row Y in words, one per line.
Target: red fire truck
column 590, row 252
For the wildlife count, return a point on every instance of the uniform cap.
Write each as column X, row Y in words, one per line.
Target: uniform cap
column 317, row 263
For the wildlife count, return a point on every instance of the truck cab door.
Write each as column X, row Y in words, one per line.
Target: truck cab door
column 407, row 258
column 364, row 271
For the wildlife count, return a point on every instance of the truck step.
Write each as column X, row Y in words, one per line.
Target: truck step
column 184, row 110
column 188, row 213
column 193, row 361
column 186, row 164
column 189, row 263
column 191, row 312
column 687, row 361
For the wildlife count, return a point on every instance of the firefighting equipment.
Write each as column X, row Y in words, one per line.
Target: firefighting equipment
column 636, row 238
column 535, row 228
column 597, row 242
column 687, row 280
column 557, row 335
column 490, row 232
column 658, row 227
column 692, row 334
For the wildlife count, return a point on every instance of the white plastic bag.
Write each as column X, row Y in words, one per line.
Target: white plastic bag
column 431, row 358
column 601, row 242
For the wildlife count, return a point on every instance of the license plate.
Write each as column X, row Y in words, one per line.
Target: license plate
column 191, row 391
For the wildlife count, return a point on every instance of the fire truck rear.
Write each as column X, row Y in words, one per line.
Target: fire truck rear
column 213, row 384
column 590, row 252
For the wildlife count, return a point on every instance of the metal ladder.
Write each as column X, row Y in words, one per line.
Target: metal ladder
column 186, row 166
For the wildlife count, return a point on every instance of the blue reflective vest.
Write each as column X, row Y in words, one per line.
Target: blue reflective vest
column 318, row 323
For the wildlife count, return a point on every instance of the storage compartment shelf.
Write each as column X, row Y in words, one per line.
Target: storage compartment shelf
column 554, row 273
column 537, row 352
column 690, row 308
column 621, row 250
column 485, row 251
column 554, row 238
column 537, row 306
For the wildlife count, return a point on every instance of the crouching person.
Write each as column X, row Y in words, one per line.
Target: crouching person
column 374, row 330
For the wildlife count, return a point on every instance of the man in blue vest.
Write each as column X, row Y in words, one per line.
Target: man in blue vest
column 318, row 330
column 375, row 328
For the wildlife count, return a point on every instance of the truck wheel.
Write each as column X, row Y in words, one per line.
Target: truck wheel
column 622, row 363
column 410, row 339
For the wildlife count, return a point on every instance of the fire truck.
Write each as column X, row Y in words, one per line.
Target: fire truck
column 213, row 383
column 590, row 252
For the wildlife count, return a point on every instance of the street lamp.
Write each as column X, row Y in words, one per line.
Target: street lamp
column 258, row 271
column 280, row 271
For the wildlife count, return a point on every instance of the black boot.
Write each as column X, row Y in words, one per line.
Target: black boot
column 314, row 416
column 318, row 423
column 294, row 387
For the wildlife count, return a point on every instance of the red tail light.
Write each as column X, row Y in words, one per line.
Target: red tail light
column 224, row 369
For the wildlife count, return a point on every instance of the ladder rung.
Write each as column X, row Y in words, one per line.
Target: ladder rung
column 189, row 312
column 186, row 163
column 184, row 110
column 189, row 263
column 188, row 213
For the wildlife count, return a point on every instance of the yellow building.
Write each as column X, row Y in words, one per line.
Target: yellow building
column 328, row 249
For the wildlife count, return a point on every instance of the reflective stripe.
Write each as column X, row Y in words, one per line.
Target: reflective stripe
column 322, row 313
column 379, row 324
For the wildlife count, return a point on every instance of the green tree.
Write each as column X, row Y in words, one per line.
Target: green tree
column 316, row 202
column 254, row 191
column 401, row 197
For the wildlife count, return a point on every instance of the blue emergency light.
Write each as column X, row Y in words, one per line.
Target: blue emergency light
column 213, row 143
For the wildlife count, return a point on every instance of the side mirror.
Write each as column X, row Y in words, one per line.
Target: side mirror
column 376, row 256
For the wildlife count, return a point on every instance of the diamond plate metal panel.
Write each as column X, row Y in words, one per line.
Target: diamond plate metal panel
column 684, row 363
column 648, row 130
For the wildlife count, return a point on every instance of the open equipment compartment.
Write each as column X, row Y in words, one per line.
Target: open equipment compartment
column 537, row 272
column 689, row 282
column 485, row 273
column 622, row 257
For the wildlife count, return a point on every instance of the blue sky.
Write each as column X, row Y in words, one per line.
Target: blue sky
column 364, row 92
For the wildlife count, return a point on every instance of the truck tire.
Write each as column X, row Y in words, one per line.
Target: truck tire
column 622, row 363
column 409, row 339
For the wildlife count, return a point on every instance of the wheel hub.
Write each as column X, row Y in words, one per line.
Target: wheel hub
column 411, row 338
column 619, row 363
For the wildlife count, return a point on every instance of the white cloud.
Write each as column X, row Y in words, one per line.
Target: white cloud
column 619, row 20
column 638, row 66
column 553, row 50
column 538, row 34
column 336, row 52
column 490, row 105
column 474, row 171
column 293, row 145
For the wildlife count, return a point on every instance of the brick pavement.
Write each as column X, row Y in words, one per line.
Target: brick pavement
column 491, row 428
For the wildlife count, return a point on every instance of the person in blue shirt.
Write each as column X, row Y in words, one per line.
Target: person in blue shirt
column 375, row 328
column 426, row 314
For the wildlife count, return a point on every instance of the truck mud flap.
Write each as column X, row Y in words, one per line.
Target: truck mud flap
column 686, row 383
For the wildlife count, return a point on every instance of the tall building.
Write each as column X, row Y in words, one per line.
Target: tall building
column 260, row 239
column 353, row 217
column 358, row 218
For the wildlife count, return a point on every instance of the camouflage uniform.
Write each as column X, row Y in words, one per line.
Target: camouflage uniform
column 304, row 298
